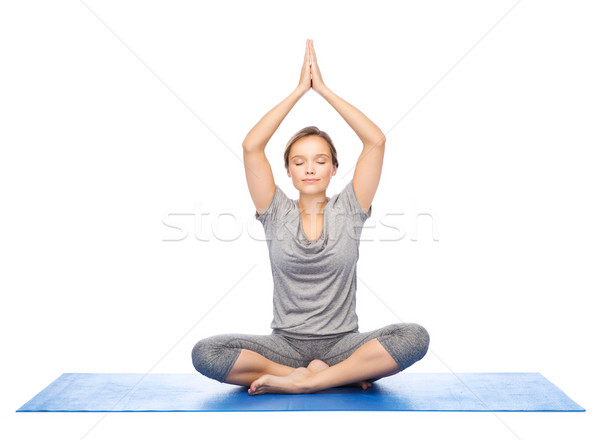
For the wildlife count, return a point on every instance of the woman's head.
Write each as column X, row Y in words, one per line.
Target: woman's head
column 310, row 154
column 309, row 131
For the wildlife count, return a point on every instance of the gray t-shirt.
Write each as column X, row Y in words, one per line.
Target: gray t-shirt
column 314, row 282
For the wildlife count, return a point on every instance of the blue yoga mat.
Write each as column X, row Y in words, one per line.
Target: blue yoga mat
column 401, row 392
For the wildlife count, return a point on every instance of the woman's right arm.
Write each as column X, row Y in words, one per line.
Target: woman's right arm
column 258, row 170
column 259, row 175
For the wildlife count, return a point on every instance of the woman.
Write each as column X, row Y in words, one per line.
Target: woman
column 313, row 246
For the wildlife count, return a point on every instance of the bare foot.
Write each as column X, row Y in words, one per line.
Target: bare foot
column 296, row 382
column 293, row 383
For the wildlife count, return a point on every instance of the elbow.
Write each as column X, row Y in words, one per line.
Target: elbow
column 248, row 147
column 376, row 142
column 247, row 143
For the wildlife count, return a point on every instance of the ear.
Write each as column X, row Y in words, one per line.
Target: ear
column 334, row 171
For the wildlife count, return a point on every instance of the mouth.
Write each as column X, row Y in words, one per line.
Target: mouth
column 310, row 180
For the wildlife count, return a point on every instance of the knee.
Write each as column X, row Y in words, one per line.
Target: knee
column 200, row 355
column 420, row 339
column 214, row 356
column 414, row 336
column 204, row 354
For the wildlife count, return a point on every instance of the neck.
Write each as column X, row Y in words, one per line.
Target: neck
column 312, row 204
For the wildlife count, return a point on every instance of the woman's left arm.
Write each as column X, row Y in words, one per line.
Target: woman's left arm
column 367, row 172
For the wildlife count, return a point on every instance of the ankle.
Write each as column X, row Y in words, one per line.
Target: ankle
column 309, row 383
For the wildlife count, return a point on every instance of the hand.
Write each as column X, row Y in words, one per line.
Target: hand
column 317, row 81
column 304, row 84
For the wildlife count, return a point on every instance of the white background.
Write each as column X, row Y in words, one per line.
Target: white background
column 119, row 118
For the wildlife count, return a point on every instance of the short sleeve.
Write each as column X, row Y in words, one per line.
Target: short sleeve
column 350, row 203
column 279, row 207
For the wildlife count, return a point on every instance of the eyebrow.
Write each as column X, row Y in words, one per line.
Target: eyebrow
column 316, row 155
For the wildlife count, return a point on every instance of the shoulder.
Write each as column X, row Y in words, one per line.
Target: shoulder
column 347, row 202
column 279, row 207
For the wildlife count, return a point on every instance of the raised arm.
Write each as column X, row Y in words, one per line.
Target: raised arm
column 370, row 162
column 259, row 175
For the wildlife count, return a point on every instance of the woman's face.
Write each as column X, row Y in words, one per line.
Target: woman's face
column 310, row 158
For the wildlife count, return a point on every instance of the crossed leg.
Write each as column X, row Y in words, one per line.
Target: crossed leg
column 251, row 366
column 370, row 360
column 274, row 364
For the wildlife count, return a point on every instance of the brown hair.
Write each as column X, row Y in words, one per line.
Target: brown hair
column 309, row 131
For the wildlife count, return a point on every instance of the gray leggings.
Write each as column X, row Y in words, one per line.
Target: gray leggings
column 215, row 356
